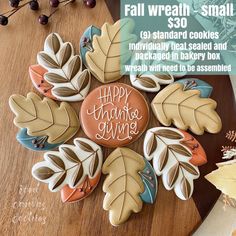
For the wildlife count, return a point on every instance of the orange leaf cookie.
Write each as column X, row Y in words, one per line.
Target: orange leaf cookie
column 37, row 77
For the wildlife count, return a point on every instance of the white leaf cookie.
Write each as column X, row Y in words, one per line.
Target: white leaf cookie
column 171, row 160
column 70, row 82
column 71, row 165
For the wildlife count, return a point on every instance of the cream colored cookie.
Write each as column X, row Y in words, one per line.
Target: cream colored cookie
column 123, row 185
column 104, row 60
column 186, row 110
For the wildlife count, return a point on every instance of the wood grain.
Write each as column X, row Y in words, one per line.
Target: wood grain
column 19, row 44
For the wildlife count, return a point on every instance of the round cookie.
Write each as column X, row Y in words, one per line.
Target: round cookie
column 114, row 115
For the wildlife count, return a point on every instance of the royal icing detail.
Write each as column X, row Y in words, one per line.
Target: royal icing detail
column 114, row 114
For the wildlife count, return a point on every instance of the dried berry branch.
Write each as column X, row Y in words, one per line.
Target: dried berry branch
column 4, row 17
column 34, row 5
column 43, row 19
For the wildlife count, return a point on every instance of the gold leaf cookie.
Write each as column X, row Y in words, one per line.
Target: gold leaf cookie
column 104, row 60
column 186, row 110
column 43, row 117
column 123, row 185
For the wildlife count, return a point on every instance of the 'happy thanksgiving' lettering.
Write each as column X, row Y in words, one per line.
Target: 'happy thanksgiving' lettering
column 115, row 122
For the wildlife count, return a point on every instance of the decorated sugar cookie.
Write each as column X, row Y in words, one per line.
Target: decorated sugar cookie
column 114, row 115
column 86, row 41
column 105, row 54
column 44, row 125
column 150, row 183
column 64, row 71
column 37, row 73
column 186, row 110
column 123, row 185
column 197, row 84
column 174, row 154
column 149, row 80
column 74, row 169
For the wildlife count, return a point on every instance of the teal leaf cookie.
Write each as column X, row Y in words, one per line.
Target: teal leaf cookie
column 36, row 143
column 197, row 84
column 86, row 41
column 150, row 183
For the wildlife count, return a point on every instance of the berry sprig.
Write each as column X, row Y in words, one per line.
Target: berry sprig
column 4, row 17
column 43, row 19
column 34, row 5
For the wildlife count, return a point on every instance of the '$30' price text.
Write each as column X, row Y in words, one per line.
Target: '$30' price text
column 177, row 22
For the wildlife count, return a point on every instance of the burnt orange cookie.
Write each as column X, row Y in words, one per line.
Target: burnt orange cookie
column 37, row 77
column 114, row 115
column 198, row 154
column 76, row 194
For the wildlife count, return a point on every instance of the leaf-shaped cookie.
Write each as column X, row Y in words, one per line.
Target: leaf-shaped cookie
column 180, row 141
column 186, row 109
column 123, row 185
column 65, row 73
column 172, row 159
column 43, row 117
column 86, row 41
column 172, row 61
column 110, row 49
column 82, row 191
column 36, row 143
column 146, row 80
column 69, row 166
column 197, row 84
column 151, row 82
column 37, row 73
column 150, row 183
column 224, row 179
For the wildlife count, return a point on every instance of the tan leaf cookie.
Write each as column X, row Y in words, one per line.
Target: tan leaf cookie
column 186, row 110
column 104, row 60
column 43, row 117
column 123, row 184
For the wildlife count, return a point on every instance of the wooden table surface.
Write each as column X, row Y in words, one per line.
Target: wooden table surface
column 29, row 208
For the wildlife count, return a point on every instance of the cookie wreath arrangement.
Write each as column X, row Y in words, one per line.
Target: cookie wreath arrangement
column 112, row 115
